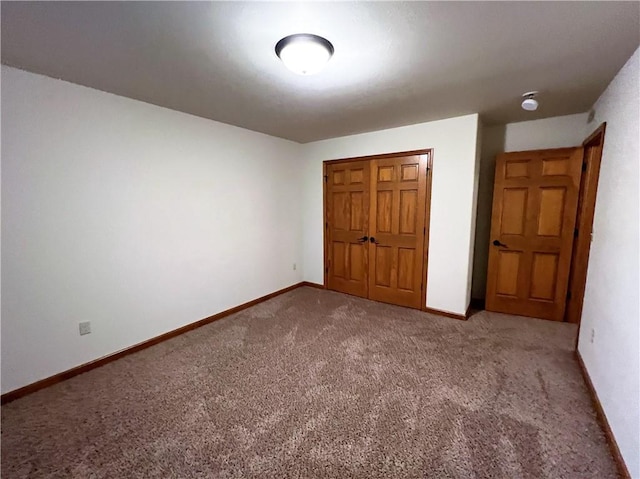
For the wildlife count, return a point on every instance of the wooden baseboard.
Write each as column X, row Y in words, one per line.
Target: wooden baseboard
column 313, row 285
column 602, row 419
column 83, row 368
column 447, row 313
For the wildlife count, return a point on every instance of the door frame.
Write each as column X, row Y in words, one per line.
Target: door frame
column 586, row 210
column 427, row 213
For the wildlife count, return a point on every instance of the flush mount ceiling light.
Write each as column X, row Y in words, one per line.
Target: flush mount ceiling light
column 529, row 101
column 304, row 53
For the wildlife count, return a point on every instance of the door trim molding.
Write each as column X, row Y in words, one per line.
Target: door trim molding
column 382, row 156
column 586, row 211
column 96, row 363
column 427, row 218
column 600, row 130
column 602, row 420
column 427, row 230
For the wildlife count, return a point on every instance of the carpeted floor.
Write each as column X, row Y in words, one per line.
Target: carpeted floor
column 315, row 384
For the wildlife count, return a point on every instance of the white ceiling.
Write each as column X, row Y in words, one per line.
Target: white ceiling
column 395, row 63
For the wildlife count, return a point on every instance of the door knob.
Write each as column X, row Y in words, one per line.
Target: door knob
column 364, row 239
column 497, row 243
column 373, row 240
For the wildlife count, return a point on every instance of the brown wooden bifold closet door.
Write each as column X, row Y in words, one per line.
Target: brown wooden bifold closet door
column 375, row 227
column 535, row 200
column 347, row 210
column 397, row 229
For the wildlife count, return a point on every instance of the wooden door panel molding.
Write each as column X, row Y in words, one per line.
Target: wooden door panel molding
column 508, row 267
column 556, row 166
column 356, row 176
column 356, row 262
column 383, row 211
column 340, row 210
column 514, row 210
column 383, row 266
column 408, row 208
column 533, row 218
column 406, row 269
column 356, row 202
column 516, row 169
column 385, row 174
column 409, row 172
column 551, row 211
column 544, row 273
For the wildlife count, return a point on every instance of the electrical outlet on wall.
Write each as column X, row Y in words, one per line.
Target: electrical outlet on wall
column 593, row 335
column 85, row 327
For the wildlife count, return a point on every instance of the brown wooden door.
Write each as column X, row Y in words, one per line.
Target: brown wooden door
column 347, row 210
column 397, row 229
column 535, row 199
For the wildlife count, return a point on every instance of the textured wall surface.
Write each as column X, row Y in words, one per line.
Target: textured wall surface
column 134, row 217
column 610, row 329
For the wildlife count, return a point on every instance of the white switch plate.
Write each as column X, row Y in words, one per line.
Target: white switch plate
column 85, row 327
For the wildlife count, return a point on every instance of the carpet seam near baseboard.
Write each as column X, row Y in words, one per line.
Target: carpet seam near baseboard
column 602, row 419
column 447, row 314
column 96, row 363
column 313, row 285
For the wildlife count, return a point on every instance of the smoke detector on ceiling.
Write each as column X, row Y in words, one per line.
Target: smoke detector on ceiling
column 529, row 101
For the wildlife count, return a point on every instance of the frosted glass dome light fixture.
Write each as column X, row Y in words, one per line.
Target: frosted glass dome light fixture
column 304, row 53
column 529, row 101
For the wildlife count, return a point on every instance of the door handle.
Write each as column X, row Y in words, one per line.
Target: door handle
column 373, row 240
column 497, row 243
column 364, row 239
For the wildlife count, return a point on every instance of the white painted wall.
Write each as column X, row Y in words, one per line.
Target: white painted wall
column 555, row 132
column 452, row 201
column 137, row 218
column 611, row 299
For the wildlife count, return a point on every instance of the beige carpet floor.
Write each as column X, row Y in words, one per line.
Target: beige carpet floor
column 315, row 384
